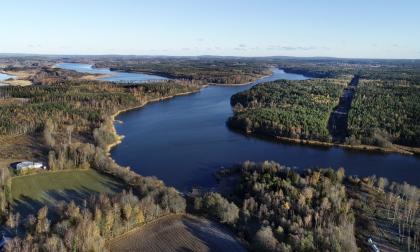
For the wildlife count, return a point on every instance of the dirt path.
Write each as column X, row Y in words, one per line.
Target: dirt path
column 337, row 124
column 178, row 233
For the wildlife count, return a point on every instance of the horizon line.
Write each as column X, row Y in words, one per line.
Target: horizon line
column 199, row 55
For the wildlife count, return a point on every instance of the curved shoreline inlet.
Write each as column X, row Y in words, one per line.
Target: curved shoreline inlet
column 3, row 77
column 184, row 140
column 113, row 76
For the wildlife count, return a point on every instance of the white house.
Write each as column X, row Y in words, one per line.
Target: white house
column 29, row 165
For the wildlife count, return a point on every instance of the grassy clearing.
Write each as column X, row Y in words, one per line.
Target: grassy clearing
column 178, row 233
column 29, row 193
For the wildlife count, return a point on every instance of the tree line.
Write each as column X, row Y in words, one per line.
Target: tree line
column 220, row 71
column 87, row 227
column 275, row 208
column 386, row 209
column 294, row 109
column 74, row 119
column 385, row 112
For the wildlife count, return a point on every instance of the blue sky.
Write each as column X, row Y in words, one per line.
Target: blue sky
column 353, row 28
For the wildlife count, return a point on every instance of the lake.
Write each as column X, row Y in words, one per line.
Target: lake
column 114, row 76
column 184, row 140
column 3, row 77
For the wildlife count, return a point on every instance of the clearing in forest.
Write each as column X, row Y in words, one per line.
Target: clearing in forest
column 31, row 192
column 178, row 233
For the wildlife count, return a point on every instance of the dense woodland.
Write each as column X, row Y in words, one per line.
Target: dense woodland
column 50, row 76
column 73, row 118
column 385, row 112
column 295, row 109
column 276, row 208
column 366, row 68
column 219, row 71
column 81, row 104
column 273, row 207
column 402, row 73
column 319, row 70
column 282, row 210
column 86, row 228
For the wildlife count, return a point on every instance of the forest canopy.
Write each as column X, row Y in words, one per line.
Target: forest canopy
column 295, row 109
column 385, row 112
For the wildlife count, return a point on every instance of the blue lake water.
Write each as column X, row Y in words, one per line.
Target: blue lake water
column 116, row 76
column 5, row 77
column 184, row 140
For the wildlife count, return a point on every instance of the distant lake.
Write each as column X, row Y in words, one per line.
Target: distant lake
column 116, row 76
column 184, row 140
column 5, row 77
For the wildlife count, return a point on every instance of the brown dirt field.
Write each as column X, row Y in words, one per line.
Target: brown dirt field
column 178, row 233
column 18, row 148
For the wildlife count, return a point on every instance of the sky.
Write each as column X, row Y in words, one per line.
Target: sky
column 352, row 28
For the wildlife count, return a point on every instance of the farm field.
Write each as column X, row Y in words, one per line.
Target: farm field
column 29, row 193
column 177, row 233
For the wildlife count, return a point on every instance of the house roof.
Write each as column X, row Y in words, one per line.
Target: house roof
column 28, row 164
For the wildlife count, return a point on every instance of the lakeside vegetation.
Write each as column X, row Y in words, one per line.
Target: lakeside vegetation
column 37, row 75
column 295, row 109
column 69, row 124
column 366, row 68
column 282, row 210
column 386, row 112
column 73, row 119
column 82, row 104
column 86, row 227
column 276, row 208
column 210, row 70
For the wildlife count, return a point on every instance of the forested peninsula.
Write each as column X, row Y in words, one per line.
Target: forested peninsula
column 211, row 70
column 378, row 111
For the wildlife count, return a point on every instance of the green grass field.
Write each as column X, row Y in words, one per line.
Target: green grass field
column 29, row 193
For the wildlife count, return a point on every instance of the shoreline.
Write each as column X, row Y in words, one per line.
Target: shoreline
column 97, row 77
column 8, row 73
column 101, row 77
column 241, row 84
column 396, row 149
column 88, row 76
column 119, row 138
column 260, row 78
column 17, row 78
